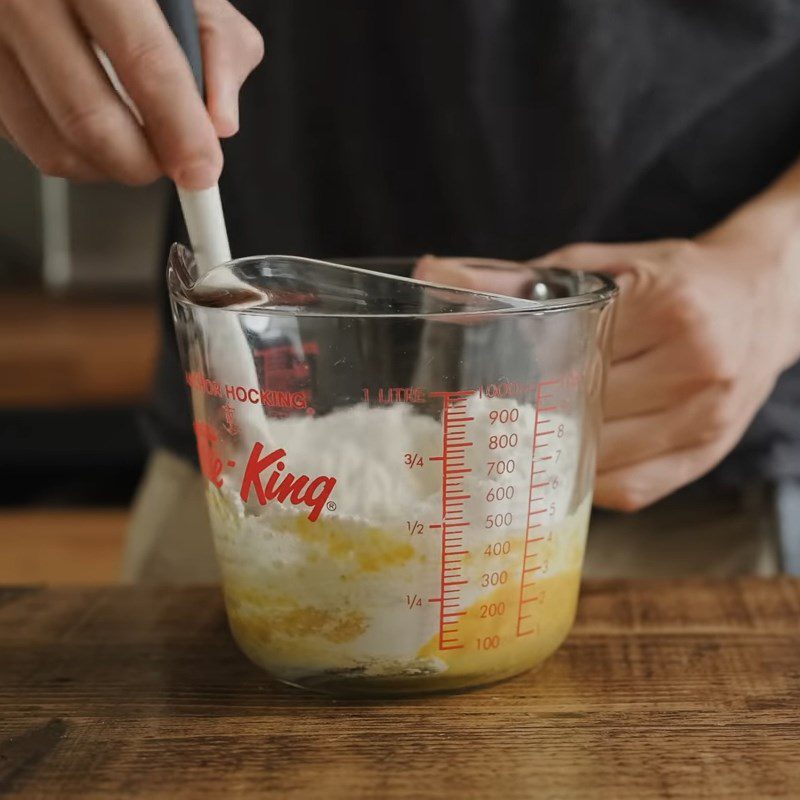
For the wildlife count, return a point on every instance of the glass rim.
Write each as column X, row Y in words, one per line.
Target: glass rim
column 601, row 294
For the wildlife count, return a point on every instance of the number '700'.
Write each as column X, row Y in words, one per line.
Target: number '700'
column 505, row 467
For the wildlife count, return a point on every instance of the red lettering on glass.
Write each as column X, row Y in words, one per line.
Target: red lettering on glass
column 210, row 461
column 280, row 486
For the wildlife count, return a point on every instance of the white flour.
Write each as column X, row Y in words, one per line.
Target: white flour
column 374, row 562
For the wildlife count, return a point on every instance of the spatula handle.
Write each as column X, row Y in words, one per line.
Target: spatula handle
column 182, row 18
column 205, row 221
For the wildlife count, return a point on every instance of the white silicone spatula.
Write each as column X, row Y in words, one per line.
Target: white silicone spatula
column 226, row 341
column 202, row 210
column 205, row 224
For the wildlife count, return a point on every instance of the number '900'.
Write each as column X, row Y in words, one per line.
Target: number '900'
column 503, row 416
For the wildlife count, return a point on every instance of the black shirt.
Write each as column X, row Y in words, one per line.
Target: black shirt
column 506, row 128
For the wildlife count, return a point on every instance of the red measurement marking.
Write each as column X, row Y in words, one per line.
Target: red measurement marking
column 530, row 600
column 537, row 505
column 453, row 460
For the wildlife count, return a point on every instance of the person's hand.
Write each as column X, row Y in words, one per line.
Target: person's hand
column 703, row 329
column 58, row 107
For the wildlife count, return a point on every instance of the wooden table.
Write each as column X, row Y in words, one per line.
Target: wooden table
column 66, row 352
column 677, row 690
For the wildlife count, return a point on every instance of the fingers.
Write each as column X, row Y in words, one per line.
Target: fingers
column 601, row 256
column 637, row 327
column 26, row 122
column 633, row 439
column 158, row 79
column 631, row 265
column 232, row 49
column 660, row 378
column 633, row 487
column 479, row 275
column 66, row 111
column 641, row 464
column 82, row 105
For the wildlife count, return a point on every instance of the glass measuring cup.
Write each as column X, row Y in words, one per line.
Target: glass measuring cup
column 399, row 475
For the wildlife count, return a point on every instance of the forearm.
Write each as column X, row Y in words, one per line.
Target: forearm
column 764, row 233
column 772, row 217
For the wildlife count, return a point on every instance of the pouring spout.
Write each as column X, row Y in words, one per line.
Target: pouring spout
column 183, row 266
column 218, row 288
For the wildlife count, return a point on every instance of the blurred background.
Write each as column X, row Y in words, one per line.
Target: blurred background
column 78, row 335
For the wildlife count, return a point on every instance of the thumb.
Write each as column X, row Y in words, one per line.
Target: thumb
column 510, row 278
column 232, row 49
column 611, row 258
column 620, row 261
